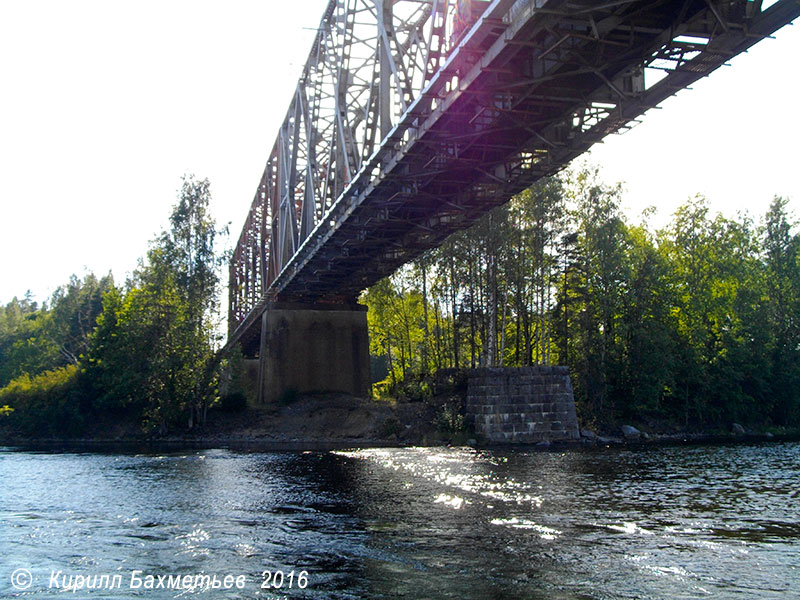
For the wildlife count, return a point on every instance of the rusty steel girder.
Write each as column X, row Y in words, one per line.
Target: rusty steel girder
column 412, row 118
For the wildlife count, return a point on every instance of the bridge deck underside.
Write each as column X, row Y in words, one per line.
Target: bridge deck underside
column 525, row 92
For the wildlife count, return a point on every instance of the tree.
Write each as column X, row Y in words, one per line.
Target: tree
column 153, row 343
column 781, row 259
column 187, row 250
column 646, row 325
column 696, row 324
column 23, row 347
column 75, row 309
column 600, row 279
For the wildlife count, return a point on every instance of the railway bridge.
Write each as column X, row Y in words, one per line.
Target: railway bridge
column 412, row 118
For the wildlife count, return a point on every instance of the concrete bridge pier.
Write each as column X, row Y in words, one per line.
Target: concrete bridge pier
column 313, row 348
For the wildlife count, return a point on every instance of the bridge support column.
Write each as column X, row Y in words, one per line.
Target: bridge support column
column 313, row 348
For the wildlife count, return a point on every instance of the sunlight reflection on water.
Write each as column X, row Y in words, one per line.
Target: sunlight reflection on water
column 681, row 522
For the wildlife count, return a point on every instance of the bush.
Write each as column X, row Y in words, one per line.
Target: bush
column 416, row 388
column 48, row 404
column 382, row 389
column 450, row 419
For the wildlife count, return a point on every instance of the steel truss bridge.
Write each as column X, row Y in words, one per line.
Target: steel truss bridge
column 412, row 118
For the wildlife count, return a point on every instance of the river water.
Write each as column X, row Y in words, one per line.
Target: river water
column 675, row 522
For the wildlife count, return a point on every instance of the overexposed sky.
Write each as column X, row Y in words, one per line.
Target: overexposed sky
column 104, row 105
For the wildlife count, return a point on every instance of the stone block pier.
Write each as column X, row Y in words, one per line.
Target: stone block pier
column 523, row 405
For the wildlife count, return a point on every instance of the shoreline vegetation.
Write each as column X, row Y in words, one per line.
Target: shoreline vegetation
column 336, row 421
column 688, row 331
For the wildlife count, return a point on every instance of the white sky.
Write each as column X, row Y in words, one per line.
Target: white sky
column 105, row 104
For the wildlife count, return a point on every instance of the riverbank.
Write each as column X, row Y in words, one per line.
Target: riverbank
column 338, row 421
column 316, row 422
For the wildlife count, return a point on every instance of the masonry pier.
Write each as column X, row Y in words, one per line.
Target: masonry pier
column 313, row 348
column 522, row 405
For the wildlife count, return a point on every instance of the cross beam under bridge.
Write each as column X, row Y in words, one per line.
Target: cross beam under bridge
column 412, row 118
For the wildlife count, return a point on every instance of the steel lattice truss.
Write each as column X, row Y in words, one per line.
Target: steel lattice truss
column 412, row 118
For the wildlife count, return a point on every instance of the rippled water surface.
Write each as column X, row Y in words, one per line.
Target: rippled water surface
column 682, row 522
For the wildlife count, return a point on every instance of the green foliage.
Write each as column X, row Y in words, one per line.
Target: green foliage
column 695, row 324
column 41, row 349
column 382, row 389
column 25, row 346
column 153, row 342
column 75, row 309
column 396, row 318
column 416, row 388
column 143, row 350
column 34, row 339
column 46, row 405
column 450, row 419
